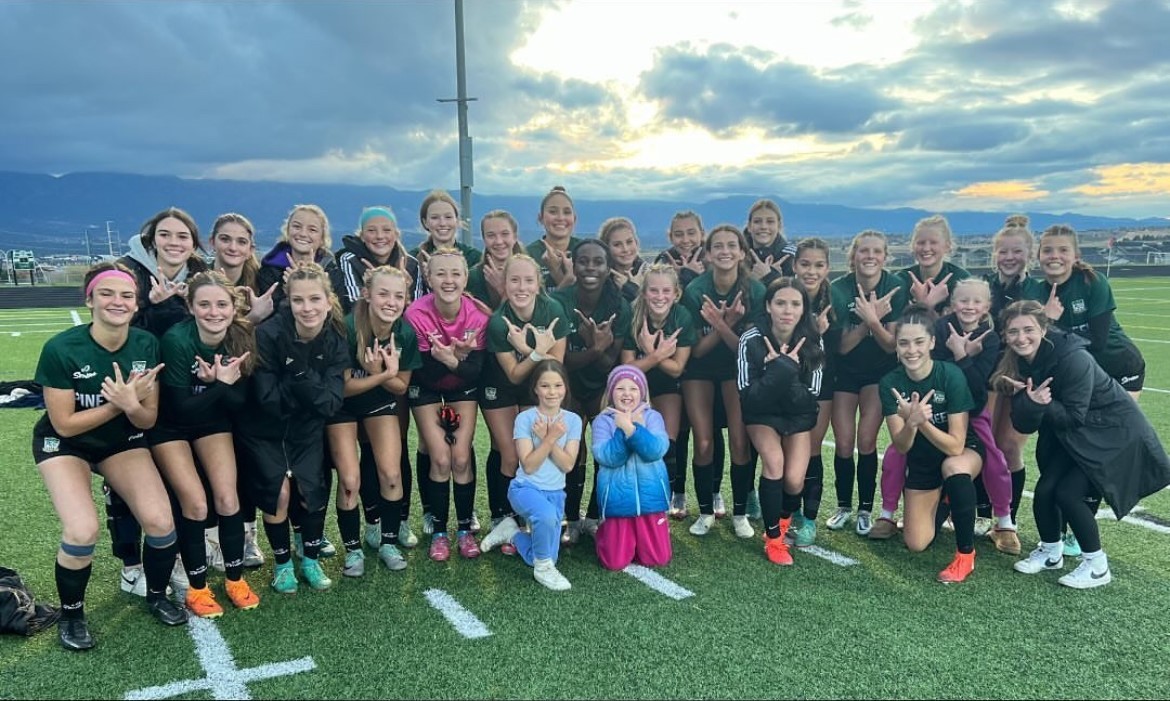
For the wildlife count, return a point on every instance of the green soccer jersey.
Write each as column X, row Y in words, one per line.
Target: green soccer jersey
column 677, row 318
column 544, row 311
column 536, row 249
column 73, row 360
column 1004, row 294
column 588, row 381
column 719, row 362
column 405, row 341
column 179, row 347
column 477, row 286
column 1084, row 300
column 843, row 291
column 951, row 396
column 948, row 268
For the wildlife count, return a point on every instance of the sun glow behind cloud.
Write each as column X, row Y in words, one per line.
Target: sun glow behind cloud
column 1005, row 190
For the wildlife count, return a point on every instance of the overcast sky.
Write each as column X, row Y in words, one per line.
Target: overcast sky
column 986, row 104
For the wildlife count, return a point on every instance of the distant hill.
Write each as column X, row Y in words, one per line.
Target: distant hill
column 50, row 214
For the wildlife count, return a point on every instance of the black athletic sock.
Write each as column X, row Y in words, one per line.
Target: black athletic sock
column 349, row 522
column 464, row 504
column 279, row 539
column 157, row 564
column 296, row 511
column 982, row 501
column 422, row 470
column 193, row 551
column 505, row 485
column 312, row 530
column 71, row 586
column 231, row 542
column 941, row 514
column 369, row 488
column 391, row 520
column 704, row 494
column 1019, row 477
column 843, row 474
column 814, row 486
column 672, row 463
column 497, row 499
column 742, row 477
column 960, row 491
column 771, row 498
column 575, row 488
column 440, row 503
column 406, row 474
column 591, row 508
column 789, row 504
column 682, row 455
column 867, row 470
column 718, row 460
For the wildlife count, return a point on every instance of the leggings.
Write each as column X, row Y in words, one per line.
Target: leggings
column 1061, row 492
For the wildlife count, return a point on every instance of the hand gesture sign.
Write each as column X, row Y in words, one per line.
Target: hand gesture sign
column 712, row 314
column 204, row 371
column 444, row 353
column 974, row 346
column 231, row 370
column 823, row 319
column 1053, row 308
column 162, row 290
column 693, row 262
column 792, row 354
column 391, row 354
column 463, row 346
column 518, row 336
column 734, row 311
column 1041, row 394
column 937, row 292
column 917, row 411
column 957, row 342
column 145, row 382
column 665, row 346
column 373, row 361
column 259, row 306
column 624, row 422
column 493, row 276
column 544, row 339
column 603, row 334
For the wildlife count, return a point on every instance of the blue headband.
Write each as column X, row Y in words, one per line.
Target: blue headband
column 374, row 212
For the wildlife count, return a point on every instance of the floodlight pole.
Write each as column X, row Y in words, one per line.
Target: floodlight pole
column 465, row 175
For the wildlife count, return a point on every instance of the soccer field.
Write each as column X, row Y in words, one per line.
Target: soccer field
column 853, row 618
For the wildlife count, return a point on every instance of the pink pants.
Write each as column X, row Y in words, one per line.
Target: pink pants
column 625, row 539
column 997, row 480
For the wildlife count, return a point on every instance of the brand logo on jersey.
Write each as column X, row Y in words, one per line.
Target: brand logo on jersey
column 940, row 396
column 84, row 374
column 289, row 361
column 320, row 357
column 1128, row 378
column 51, row 445
column 1078, row 306
column 489, row 393
column 412, row 392
column 135, row 437
column 138, row 366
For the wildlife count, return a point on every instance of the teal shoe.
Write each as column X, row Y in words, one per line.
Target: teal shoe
column 314, row 575
column 1071, row 547
column 284, row 580
column 806, row 535
column 797, row 523
column 752, row 508
column 355, row 564
column 328, row 549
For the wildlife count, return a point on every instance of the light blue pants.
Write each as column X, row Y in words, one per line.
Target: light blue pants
column 543, row 511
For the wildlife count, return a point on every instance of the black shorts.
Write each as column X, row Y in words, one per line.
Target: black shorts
column 828, row 384
column 343, row 416
column 47, row 444
column 927, row 475
column 500, row 395
column 850, row 379
column 165, row 434
column 418, row 395
column 659, row 383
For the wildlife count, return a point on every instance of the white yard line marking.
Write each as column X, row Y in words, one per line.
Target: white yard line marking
column 1138, row 299
column 657, row 582
column 15, row 334
column 1155, row 389
column 76, row 317
column 464, row 621
column 1147, row 340
column 23, row 324
column 834, row 557
column 223, row 679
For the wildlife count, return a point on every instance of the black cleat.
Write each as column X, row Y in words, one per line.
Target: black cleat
column 166, row 611
column 74, row 634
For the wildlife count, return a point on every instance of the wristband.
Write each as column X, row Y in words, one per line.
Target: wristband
column 535, row 357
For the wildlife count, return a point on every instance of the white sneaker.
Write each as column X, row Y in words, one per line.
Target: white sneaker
column 840, row 518
column 133, row 581
column 1089, row 574
column 428, row 524
column 504, row 531
column 214, row 552
column 374, row 534
column 406, row 537
column 474, row 523
column 864, row 522
column 983, row 526
column 253, row 555
column 589, row 526
column 743, row 529
column 720, row 507
column 703, row 524
column 1041, row 559
column 545, row 572
column 179, row 583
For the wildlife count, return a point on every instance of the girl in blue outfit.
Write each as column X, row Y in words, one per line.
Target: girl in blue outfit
column 547, row 439
column 629, row 442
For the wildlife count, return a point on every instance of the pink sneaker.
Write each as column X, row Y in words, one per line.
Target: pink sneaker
column 468, row 548
column 508, row 549
column 440, row 547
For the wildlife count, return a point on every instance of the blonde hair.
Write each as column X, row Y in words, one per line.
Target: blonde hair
column 985, row 288
column 240, row 337
column 874, row 233
column 1016, row 225
column 639, row 312
column 326, row 239
column 609, row 226
column 940, row 224
column 315, row 273
column 363, row 326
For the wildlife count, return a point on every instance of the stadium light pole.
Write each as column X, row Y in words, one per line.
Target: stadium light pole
column 461, row 99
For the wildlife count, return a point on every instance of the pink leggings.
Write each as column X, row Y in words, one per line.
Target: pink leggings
column 625, row 539
column 996, row 478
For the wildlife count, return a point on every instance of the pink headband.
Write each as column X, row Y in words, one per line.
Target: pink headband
column 105, row 274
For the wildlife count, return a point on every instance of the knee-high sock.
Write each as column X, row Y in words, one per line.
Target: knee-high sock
column 71, row 585
column 407, row 475
column 349, row 522
column 369, row 490
column 672, row 463
column 391, row 520
column 682, row 456
column 279, row 539
column 814, row 486
column 867, row 465
column 575, row 488
column 158, row 559
column 1019, row 477
column 464, row 504
column 312, row 530
column 591, row 508
column 440, row 503
column 497, row 501
column 771, row 504
column 193, row 551
column 960, row 491
column 422, row 470
column 843, row 472
column 982, row 501
column 718, row 460
column 231, row 542
column 742, row 477
column 704, row 492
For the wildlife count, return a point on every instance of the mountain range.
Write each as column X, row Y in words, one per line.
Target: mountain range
column 52, row 214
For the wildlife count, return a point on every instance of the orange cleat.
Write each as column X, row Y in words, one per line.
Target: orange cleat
column 959, row 569
column 241, row 595
column 201, row 602
column 777, row 551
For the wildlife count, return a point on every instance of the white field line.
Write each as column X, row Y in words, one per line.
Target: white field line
column 464, row 621
column 1146, row 328
column 657, row 582
column 1155, row 389
column 223, row 679
column 1147, row 340
column 22, row 325
column 1124, row 313
column 1137, row 299
column 1157, row 288
column 834, row 557
column 76, row 317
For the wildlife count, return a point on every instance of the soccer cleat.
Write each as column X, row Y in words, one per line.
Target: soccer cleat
column 179, row 583
column 719, row 506
column 589, row 527
column 572, row 533
column 883, row 529
column 507, row 549
column 166, row 611
column 702, row 524
column 392, row 557
column 753, row 506
column 840, row 518
column 428, row 524
column 546, row 572
column 1039, row 560
column 806, row 534
column 133, row 581
column 1089, row 574
column 864, row 523
column 406, row 537
column 502, row 534
column 328, row 549
column 202, row 603
column 284, row 580
column 468, row 548
column 440, row 550
column 1006, row 540
column 214, row 555
column 1071, row 547
column 678, row 506
column 241, row 595
column 959, row 569
column 475, row 527
column 314, row 575
column 74, row 635
column 355, row 564
column 743, row 528
column 797, row 522
column 374, row 534
column 776, row 550
column 983, row 526
column 253, row 555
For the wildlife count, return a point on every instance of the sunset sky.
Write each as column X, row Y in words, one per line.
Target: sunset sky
column 985, row 104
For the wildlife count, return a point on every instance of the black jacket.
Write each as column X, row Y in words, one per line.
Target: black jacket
column 354, row 259
column 777, row 393
column 1094, row 420
column 157, row 318
column 276, row 261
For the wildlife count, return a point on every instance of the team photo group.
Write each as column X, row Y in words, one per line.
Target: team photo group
column 220, row 392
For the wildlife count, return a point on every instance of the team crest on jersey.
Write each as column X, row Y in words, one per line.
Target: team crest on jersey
column 412, row 392
column 1078, row 306
column 138, row 366
column 940, row 396
column 489, row 393
column 51, row 445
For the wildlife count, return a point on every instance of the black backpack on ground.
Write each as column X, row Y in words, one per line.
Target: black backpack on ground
column 19, row 611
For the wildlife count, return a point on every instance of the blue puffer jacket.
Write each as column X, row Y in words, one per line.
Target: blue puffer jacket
column 632, row 480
